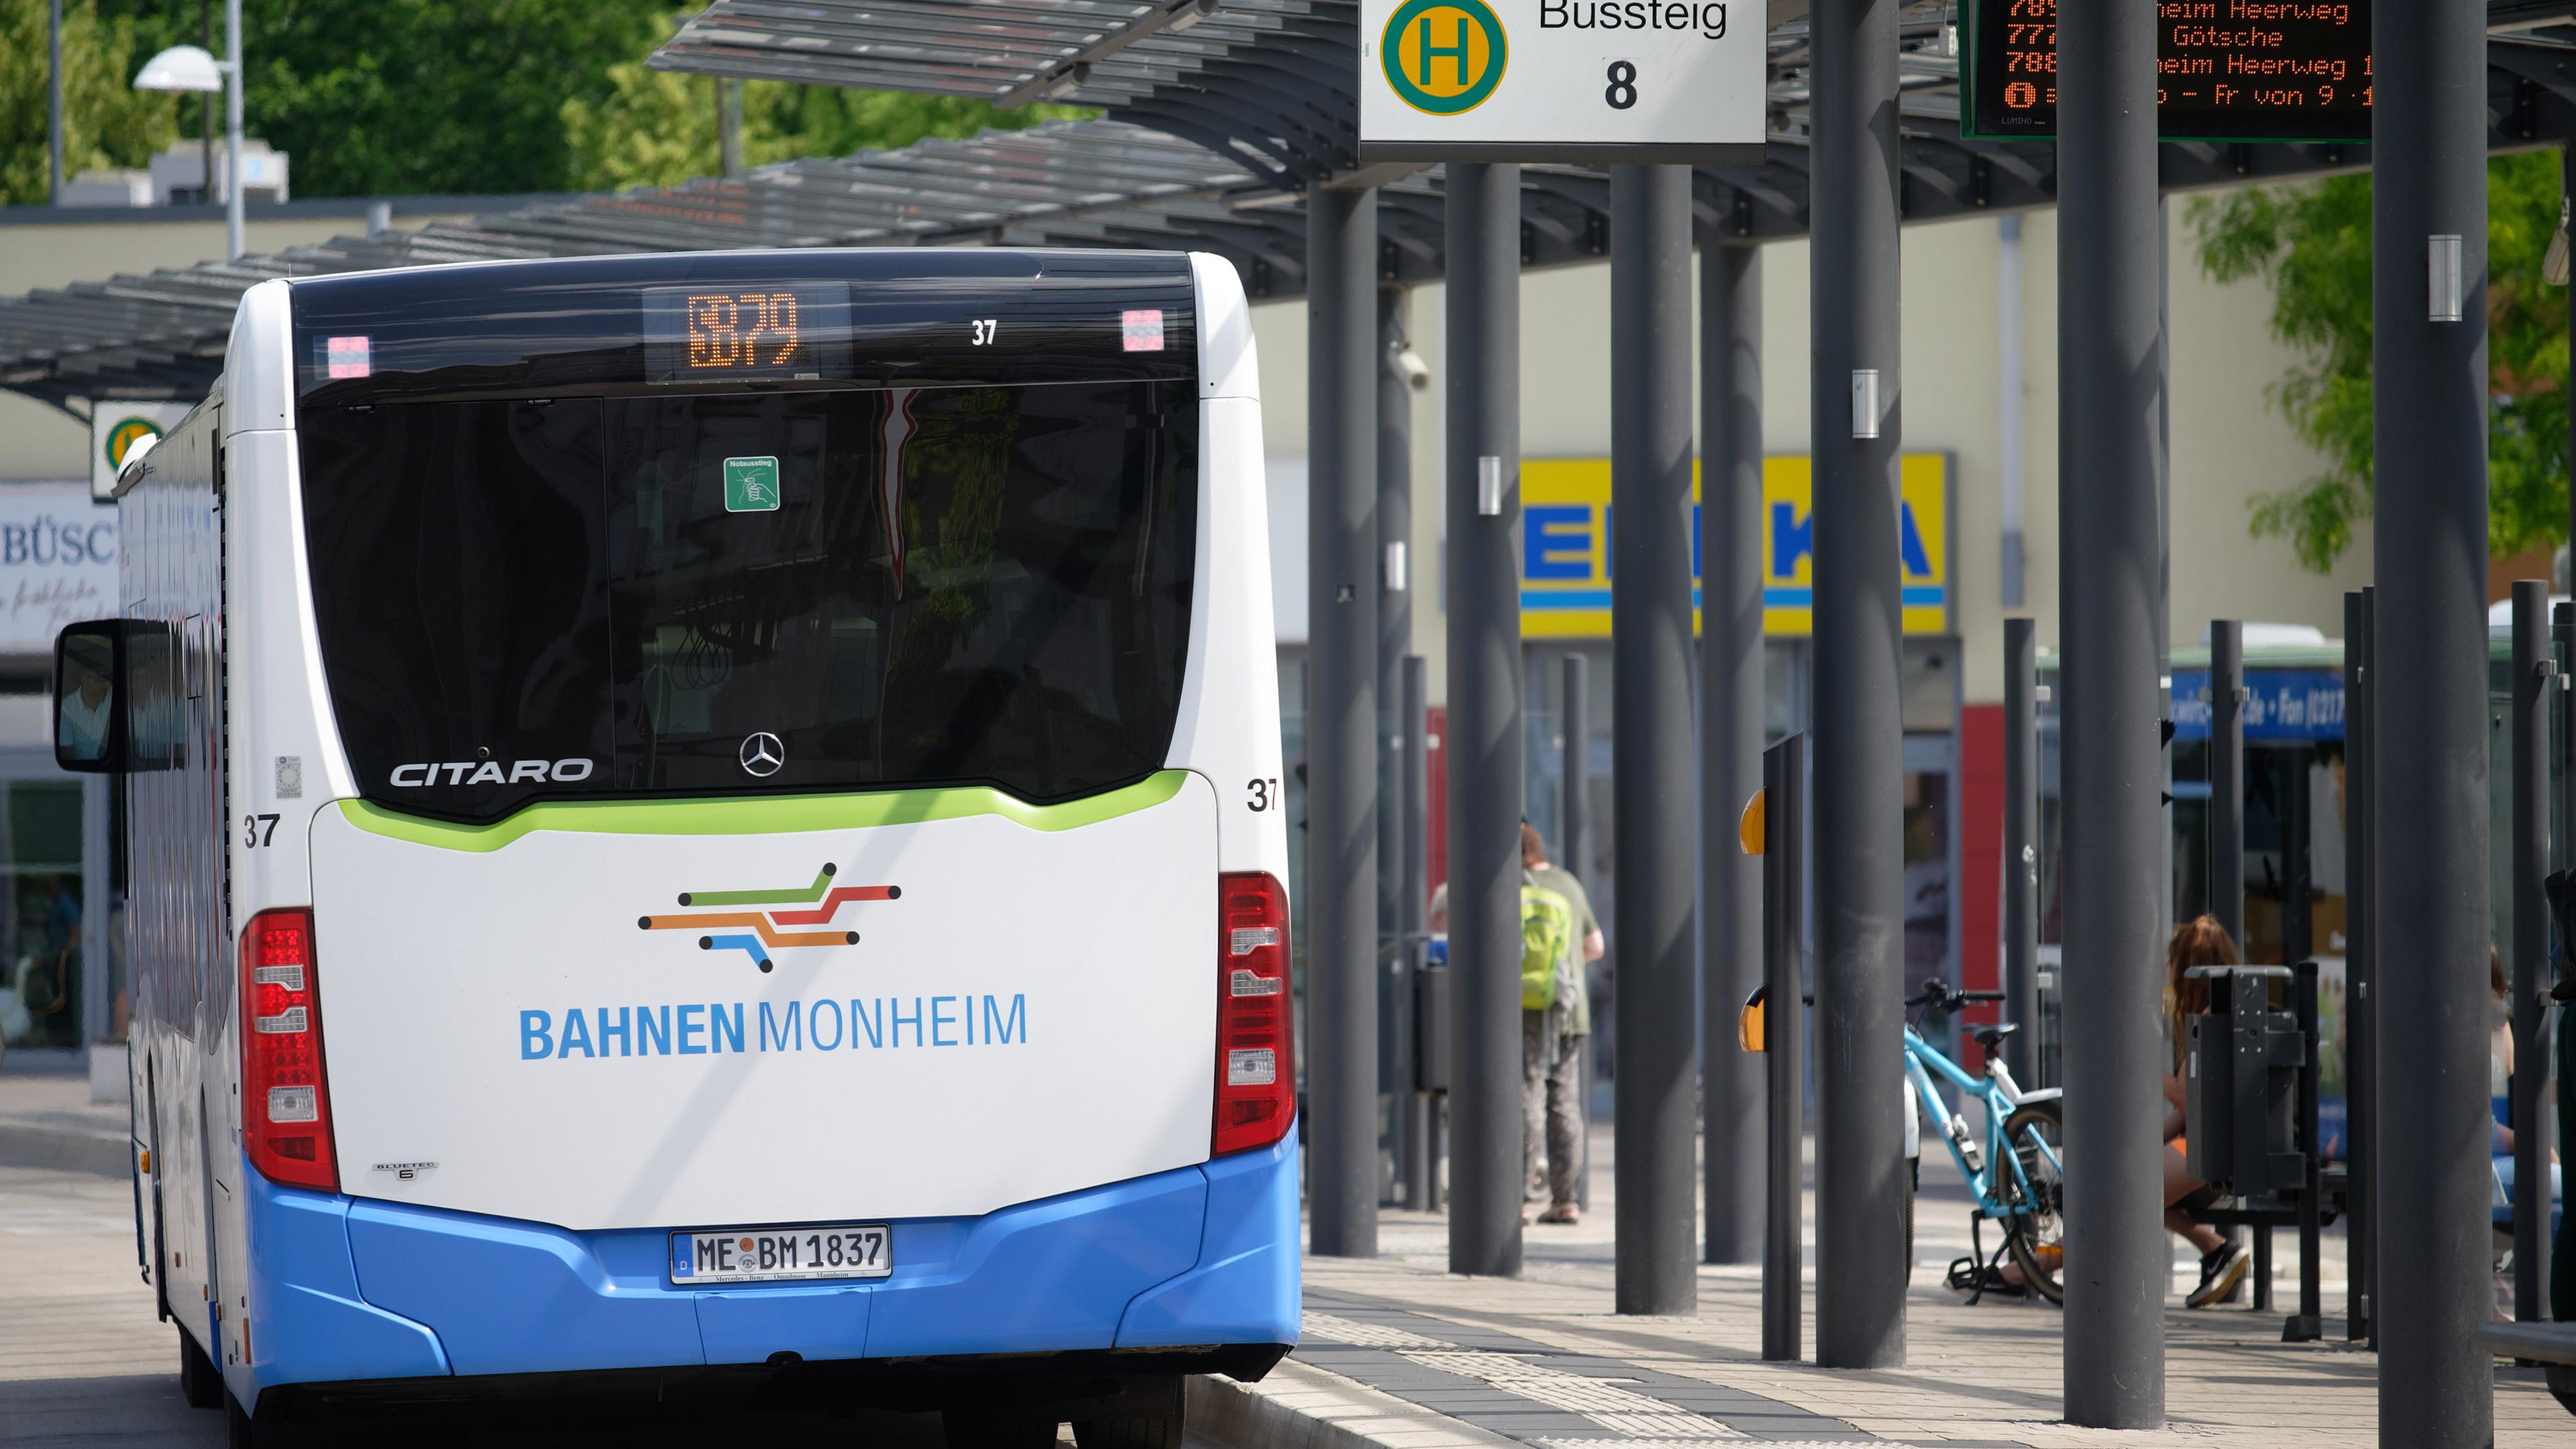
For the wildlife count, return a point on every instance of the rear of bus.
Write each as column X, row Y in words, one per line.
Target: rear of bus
column 783, row 863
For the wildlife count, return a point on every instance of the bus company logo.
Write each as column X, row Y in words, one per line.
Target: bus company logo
column 757, row 922
column 1443, row 57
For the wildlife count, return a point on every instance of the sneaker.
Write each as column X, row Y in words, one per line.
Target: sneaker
column 1562, row 1213
column 2221, row 1270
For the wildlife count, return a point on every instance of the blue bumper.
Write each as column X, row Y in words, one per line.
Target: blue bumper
column 356, row 1289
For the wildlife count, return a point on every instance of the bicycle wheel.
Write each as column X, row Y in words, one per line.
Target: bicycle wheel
column 2035, row 1229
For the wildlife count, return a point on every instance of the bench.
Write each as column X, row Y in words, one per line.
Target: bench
column 2551, row 1345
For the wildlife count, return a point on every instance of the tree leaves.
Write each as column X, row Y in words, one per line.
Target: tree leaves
column 106, row 122
column 2312, row 242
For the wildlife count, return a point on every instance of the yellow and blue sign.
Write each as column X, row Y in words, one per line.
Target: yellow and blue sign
column 1444, row 57
column 1566, row 528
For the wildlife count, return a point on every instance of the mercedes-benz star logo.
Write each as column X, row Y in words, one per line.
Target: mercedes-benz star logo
column 763, row 753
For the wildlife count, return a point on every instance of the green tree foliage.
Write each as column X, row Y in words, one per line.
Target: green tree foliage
column 409, row 97
column 106, row 122
column 2312, row 243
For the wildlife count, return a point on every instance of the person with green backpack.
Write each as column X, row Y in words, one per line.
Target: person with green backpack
column 1548, row 989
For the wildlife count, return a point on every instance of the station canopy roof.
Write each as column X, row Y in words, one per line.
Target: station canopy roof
column 1219, row 115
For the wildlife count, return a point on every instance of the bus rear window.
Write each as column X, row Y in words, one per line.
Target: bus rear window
column 753, row 592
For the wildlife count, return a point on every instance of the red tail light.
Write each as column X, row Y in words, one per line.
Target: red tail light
column 286, row 1103
column 1256, row 1042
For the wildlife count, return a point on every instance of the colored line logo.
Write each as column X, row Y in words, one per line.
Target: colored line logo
column 1443, row 57
column 756, row 932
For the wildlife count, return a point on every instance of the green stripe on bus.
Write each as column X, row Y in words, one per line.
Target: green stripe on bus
column 822, row 882
column 765, row 815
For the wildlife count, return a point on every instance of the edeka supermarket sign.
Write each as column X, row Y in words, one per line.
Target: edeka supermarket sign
column 1566, row 524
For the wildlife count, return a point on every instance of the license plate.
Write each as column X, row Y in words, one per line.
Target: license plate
column 770, row 1255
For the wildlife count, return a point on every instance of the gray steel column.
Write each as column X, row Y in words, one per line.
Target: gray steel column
column 2227, row 779
column 54, row 105
column 1574, row 853
column 2361, row 886
column 1484, row 735
column 2021, row 847
column 1413, row 901
column 2528, row 976
column 2430, row 401
column 1859, row 739
column 1784, row 858
column 1650, row 640
column 1574, row 735
column 1730, row 734
column 234, row 245
column 1395, row 578
column 2111, row 372
column 1341, row 721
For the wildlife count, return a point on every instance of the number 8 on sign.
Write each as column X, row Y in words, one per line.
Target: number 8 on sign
column 1622, row 90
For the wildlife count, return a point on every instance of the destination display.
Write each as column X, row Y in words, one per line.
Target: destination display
column 2227, row 70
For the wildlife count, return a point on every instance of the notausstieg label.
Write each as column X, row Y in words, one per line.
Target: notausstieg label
column 824, row 1024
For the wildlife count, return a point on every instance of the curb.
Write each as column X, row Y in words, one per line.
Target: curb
column 1302, row 1407
column 76, row 1149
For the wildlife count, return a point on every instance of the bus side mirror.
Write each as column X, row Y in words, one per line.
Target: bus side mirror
column 89, row 720
column 1748, row 1022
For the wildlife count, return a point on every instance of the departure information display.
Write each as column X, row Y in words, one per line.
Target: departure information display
column 719, row 333
column 2227, row 70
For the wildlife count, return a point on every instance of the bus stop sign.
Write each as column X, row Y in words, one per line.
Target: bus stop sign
column 1597, row 81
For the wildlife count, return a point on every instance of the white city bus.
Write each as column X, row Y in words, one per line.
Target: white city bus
column 710, row 818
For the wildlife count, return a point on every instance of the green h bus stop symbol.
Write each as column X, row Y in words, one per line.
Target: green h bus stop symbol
column 751, row 485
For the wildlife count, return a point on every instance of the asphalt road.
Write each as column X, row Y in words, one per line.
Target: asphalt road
column 83, row 1361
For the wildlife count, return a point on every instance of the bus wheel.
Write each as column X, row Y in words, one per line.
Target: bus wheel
column 199, row 1383
column 1002, row 1428
column 1153, row 1415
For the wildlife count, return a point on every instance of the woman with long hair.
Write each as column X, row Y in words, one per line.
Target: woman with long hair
column 2198, row 942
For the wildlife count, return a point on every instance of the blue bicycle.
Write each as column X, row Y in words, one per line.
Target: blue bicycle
column 2016, row 1172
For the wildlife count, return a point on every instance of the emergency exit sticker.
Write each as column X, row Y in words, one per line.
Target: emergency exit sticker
column 751, row 485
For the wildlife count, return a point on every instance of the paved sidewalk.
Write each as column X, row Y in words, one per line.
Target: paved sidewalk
column 1411, row 1357
column 48, row 1120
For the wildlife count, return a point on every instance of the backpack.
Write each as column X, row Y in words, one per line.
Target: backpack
column 1547, row 941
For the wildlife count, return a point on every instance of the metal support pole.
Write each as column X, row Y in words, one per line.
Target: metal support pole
column 1784, row 852
column 2308, row 1324
column 2298, row 894
column 2555, row 1110
column 1730, row 725
column 1860, row 980
column 2430, row 404
column 2535, row 675
column 2227, row 779
column 2112, row 377
column 1341, row 721
column 729, row 125
column 1395, row 575
column 2361, row 886
column 1413, row 901
column 54, row 101
column 2021, row 847
column 1574, row 852
column 1574, row 842
column 1484, row 734
column 1396, row 824
column 233, row 78
column 1650, row 640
